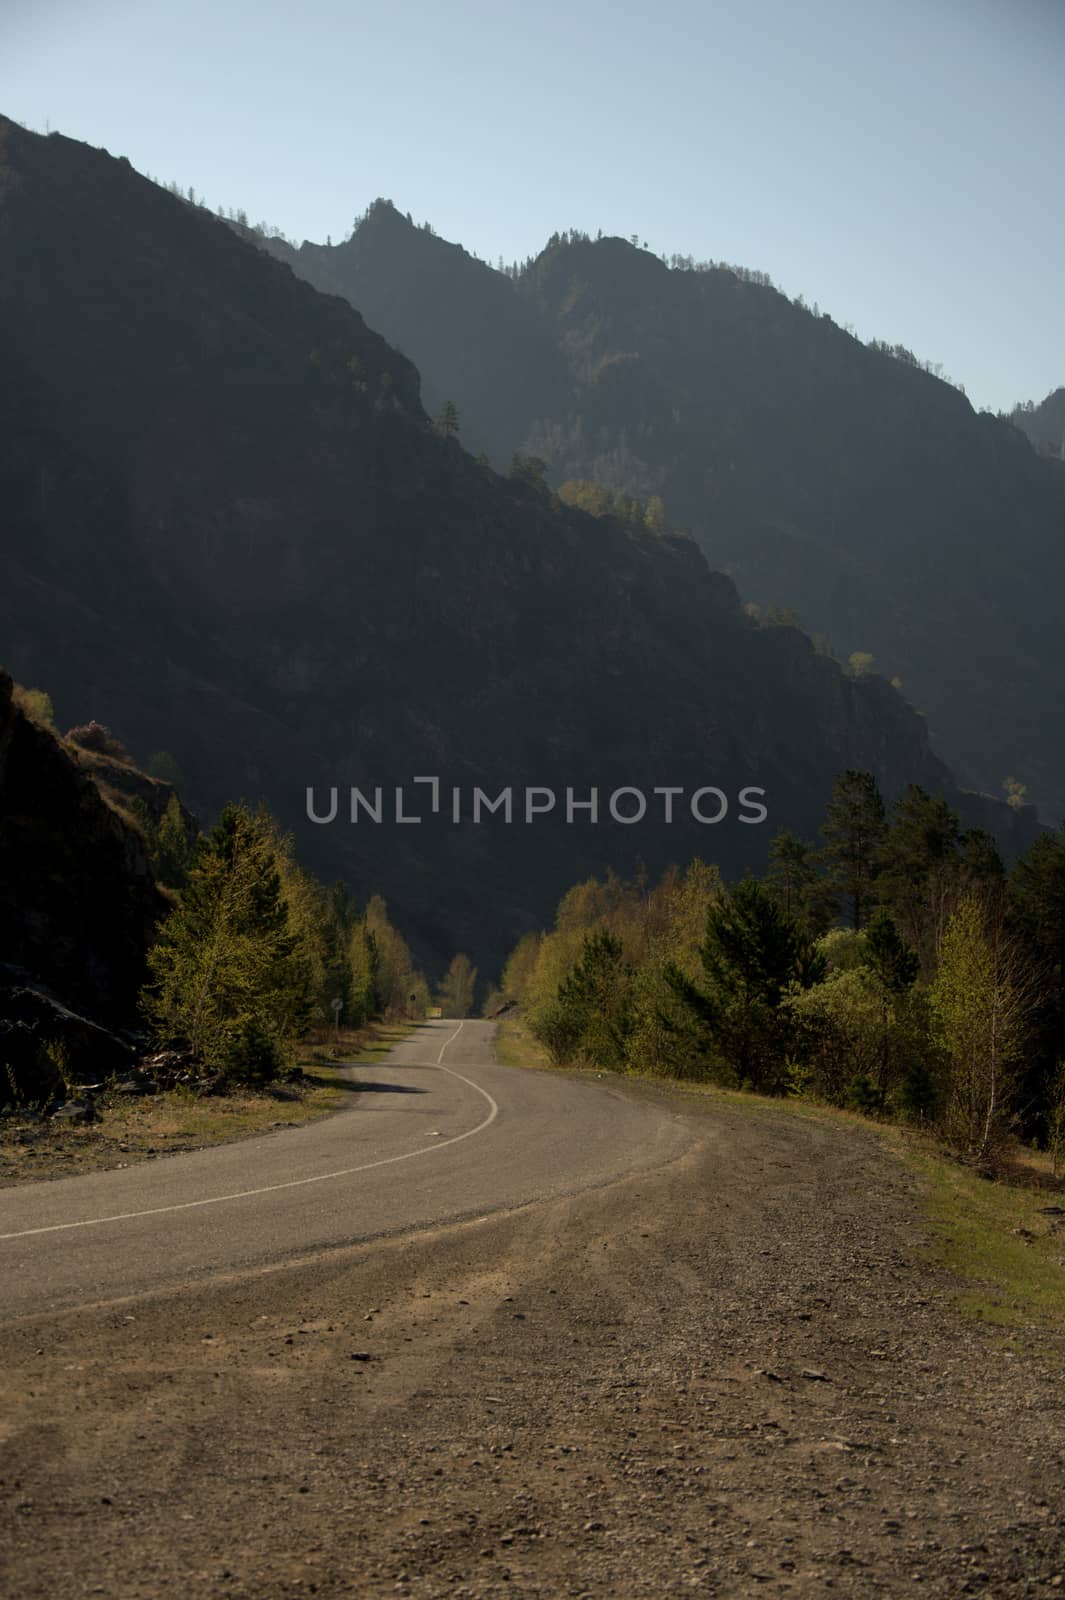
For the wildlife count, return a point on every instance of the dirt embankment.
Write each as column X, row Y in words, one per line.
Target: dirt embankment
column 733, row 1376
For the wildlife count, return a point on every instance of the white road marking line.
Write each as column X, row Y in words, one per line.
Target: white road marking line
column 293, row 1183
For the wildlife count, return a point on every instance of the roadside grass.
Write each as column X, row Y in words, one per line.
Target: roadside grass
column 997, row 1238
column 515, row 1045
column 994, row 1237
column 131, row 1129
column 355, row 1047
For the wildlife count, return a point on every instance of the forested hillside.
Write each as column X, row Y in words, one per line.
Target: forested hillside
column 1044, row 423
column 232, row 534
column 841, row 481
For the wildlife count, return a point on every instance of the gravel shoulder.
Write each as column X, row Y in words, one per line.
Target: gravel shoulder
column 734, row 1374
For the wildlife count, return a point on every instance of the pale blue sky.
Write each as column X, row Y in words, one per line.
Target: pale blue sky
column 899, row 162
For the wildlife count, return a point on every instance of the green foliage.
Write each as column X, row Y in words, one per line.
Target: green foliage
column 174, row 851
column 521, row 967
column 655, row 515
column 456, row 994
column 924, row 866
column 861, row 1025
column 446, row 421
column 231, row 977
column 1016, row 793
column 981, row 1004
column 321, row 919
column 399, row 988
column 957, row 1024
column 599, row 501
column 591, row 1014
column 162, row 765
column 170, row 848
column 863, row 1095
column 530, row 470
column 917, row 1097
column 853, row 832
column 365, row 965
column 37, row 705
column 795, row 882
column 251, row 1053
column 888, row 956
column 753, row 953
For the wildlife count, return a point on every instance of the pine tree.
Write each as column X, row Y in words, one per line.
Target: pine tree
column 752, row 954
column 230, row 980
column 593, row 1006
column 925, row 865
column 853, row 833
column 173, row 850
column 888, row 956
column 447, row 420
column 794, row 881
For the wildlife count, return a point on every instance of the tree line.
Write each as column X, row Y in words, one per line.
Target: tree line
column 255, row 951
column 895, row 967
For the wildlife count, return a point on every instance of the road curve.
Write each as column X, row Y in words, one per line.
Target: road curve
column 435, row 1132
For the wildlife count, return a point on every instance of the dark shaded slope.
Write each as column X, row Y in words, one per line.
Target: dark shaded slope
column 474, row 340
column 825, row 476
column 1044, row 423
column 230, row 533
column 78, row 898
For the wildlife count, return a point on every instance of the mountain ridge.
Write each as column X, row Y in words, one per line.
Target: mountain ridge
column 236, row 537
column 836, row 479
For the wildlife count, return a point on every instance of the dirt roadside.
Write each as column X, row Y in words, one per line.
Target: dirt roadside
column 731, row 1377
column 128, row 1129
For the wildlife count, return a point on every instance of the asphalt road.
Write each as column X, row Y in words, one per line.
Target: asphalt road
column 436, row 1132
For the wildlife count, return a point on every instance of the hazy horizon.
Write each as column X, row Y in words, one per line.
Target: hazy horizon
column 896, row 169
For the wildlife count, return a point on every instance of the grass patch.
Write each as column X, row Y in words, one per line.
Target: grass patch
column 996, row 1238
column 516, row 1047
column 354, row 1046
column 381, row 1041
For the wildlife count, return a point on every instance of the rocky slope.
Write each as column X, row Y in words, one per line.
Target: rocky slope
column 231, row 534
column 78, row 903
column 826, row 476
column 1044, row 424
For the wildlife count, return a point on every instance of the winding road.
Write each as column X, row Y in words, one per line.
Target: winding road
column 437, row 1132
column 510, row 1335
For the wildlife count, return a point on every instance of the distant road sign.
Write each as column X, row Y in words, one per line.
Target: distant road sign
column 435, row 1011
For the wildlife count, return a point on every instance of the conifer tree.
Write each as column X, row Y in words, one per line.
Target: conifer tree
column 230, row 979
column 853, row 832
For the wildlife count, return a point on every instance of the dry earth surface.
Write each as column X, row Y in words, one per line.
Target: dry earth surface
column 734, row 1375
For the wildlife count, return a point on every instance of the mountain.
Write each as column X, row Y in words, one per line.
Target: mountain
column 835, row 479
column 1044, row 423
column 231, row 534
